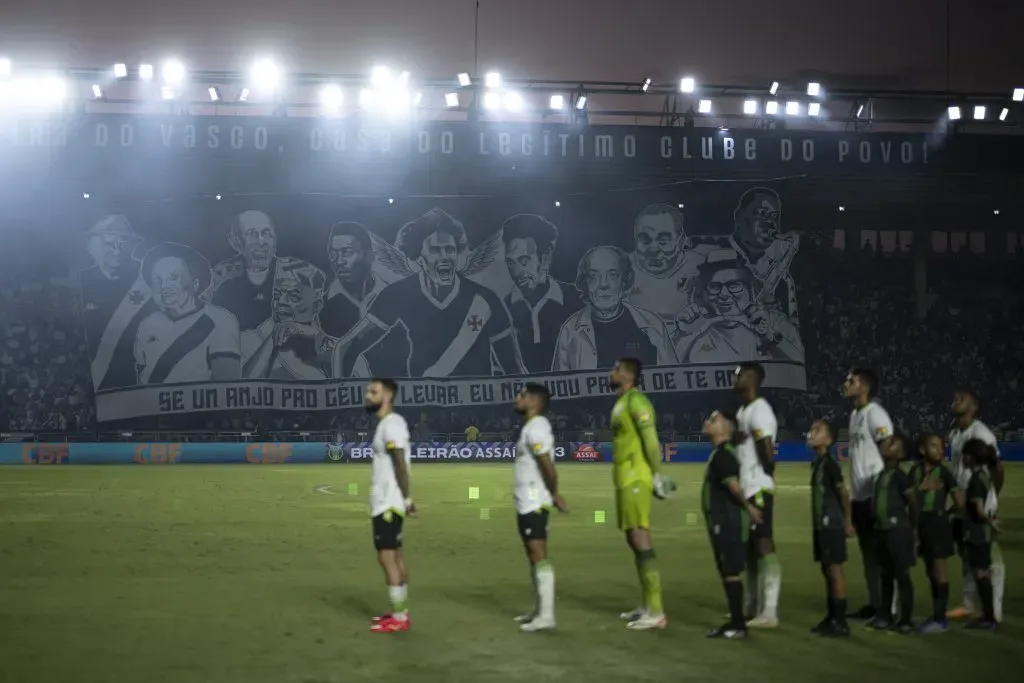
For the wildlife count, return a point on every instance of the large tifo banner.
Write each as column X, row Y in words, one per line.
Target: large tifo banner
column 291, row 302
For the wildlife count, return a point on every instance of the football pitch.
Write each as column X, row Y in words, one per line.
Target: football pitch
column 243, row 574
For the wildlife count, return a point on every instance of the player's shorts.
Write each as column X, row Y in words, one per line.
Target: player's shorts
column 895, row 548
column 387, row 531
column 765, row 502
column 957, row 525
column 978, row 555
column 935, row 536
column 633, row 506
column 829, row 546
column 533, row 526
column 730, row 555
column 863, row 518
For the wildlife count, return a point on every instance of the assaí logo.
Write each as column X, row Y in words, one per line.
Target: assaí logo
column 587, row 453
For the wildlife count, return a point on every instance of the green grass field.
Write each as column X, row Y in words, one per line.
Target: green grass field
column 210, row 574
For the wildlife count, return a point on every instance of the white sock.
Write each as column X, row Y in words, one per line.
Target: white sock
column 894, row 608
column 544, row 574
column 754, row 592
column 536, row 591
column 971, row 598
column 772, row 587
column 998, row 573
column 399, row 595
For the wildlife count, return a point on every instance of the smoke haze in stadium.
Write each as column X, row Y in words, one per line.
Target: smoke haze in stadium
column 871, row 43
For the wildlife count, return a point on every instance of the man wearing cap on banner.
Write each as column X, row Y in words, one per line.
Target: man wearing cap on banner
column 115, row 299
column 184, row 340
column 727, row 323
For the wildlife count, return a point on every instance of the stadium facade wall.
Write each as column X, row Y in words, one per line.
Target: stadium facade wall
column 352, row 452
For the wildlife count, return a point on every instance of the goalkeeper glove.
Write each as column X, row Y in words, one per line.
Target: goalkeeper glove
column 663, row 486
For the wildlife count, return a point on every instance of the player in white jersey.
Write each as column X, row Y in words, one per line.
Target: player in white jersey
column 870, row 430
column 536, row 492
column 757, row 429
column 390, row 499
column 966, row 406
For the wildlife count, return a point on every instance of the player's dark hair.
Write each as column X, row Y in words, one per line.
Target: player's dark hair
column 523, row 226
column 755, row 368
column 867, row 376
column 541, row 392
column 634, row 366
column 352, row 229
column 625, row 267
column 413, row 234
column 390, row 385
column 729, row 416
column 979, row 453
column 833, row 430
column 973, row 395
column 903, row 441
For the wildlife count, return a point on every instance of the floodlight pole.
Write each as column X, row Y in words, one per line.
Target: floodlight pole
column 476, row 40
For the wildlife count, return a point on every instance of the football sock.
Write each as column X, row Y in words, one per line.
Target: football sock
column 544, row 576
column 399, row 596
column 772, row 572
column 997, row 572
column 940, row 600
column 970, row 588
column 734, row 593
column 985, row 593
column 873, row 578
column 888, row 590
column 906, row 590
column 536, row 590
column 650, row 580
column 753, row 595
column 837, row 609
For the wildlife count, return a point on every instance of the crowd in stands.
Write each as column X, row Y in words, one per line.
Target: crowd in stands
column 858, row 307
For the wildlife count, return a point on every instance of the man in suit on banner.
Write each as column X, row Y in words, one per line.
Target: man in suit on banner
column 354, row 287
column 608, row 328
column 184, row 340
column 454, row 326
column 538, row 303
column 115, row 299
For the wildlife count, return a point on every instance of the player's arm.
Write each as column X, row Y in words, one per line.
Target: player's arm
column 642, row 413
column 949, row 481
column 397, row 443
column 909, row 493
column 541, row 443
column 726, row 469
column 977, row 495
column 835, row 473
column 880, row 426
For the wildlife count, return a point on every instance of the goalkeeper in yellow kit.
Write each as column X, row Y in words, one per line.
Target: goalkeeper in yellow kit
column 636, row 453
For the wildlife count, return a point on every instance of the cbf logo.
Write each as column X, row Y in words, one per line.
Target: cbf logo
column 335, row 452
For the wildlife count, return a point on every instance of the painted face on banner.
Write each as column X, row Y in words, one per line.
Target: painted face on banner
column 173, row 285
column 658, row 243
column 604, row 280
column 295, row 301
column 255, row 239
column 348, row 260
column 438, row 258
column 526, row 266
column 728, row 292
column 110, row 252
column 760, row 222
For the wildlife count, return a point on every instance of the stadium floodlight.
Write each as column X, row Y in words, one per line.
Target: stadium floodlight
column 814, row 109
column 5, row 67
column 687, row 84
column 704, row 106
column 558, row 204
column 774, row 88
column 492, row 79
column 581, row 102
column 954, row 113
column 557, row 102
column 97, row 91
column 792, row 108
column 995, row 212
column 380, row 77
column 120, row 70
column 1018, row 94
column 243, row 95
column 465, row 80
column 813, row 89
column 265, row 75
column 167, row 92
column 173, row 72
column 366, row 97
column 331, row 97
column 771, row 108
column 1004, row 113
column 85, row 195
column 750, row 107
column 513, row 101
column 146, row 72
column 214, row 93
column 979, row 112
column 860, row 110
column 646, row 85
column 451, row 100
column 491, row 100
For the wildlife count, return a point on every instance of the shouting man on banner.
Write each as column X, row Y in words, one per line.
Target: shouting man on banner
column 297, row 348
column 598, row 334
column 184, row 340
column 454, row 326
column 115, row 299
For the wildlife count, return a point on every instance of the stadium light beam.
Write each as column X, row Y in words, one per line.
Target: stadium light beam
column 465, row 80
column 265, row 75
column 814, row 89
column 120, row 70
column 492, row 79
column 774, row 89
column 814, row 109
column 1018, row 94
column 1004, row 113
column 954, row 113
column 704, row 106
column 750, row 107
column 687, row 84
column 792, row 108
column 557, row 102
column 173, row 72
column 979, row 112
column 332, row 97
column 646, row 85
column 771, row 108
column 146, row 72
column 451, row 100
